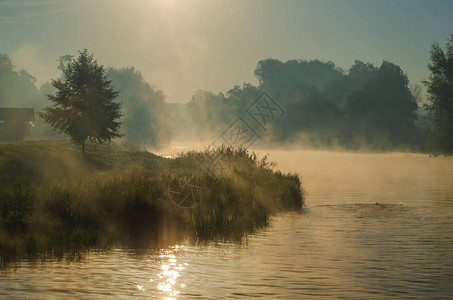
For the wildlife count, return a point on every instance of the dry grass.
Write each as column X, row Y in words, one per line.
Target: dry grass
column 55, row 202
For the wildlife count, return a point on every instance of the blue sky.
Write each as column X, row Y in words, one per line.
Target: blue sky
column 182, row 46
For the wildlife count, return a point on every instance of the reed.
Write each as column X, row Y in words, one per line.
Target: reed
column 56, row 202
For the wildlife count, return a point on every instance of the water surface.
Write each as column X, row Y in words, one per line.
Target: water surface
column 341, row 245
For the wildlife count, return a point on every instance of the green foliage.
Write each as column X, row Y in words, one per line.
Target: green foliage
column 15, row 206
column 84, row 106
column 440, row 89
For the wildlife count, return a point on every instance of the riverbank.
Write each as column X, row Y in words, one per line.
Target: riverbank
column 56, row 202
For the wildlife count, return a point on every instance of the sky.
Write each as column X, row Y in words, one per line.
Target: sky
column 182, row 46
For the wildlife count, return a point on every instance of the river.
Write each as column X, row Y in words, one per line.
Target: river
column 342, row 245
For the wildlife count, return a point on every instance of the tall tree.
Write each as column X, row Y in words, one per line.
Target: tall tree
column 84, row 106
column 440, row 89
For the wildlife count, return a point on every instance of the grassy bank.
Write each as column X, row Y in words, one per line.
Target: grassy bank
column 56, row 202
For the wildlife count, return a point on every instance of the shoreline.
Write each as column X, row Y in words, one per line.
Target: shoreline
column 56, row 202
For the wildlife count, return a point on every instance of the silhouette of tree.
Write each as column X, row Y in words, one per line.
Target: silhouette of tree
column 208, row 110
column 63, row 62
column 84, row 106
column 17, row 88
column 145, row 115
column 240, row 97
column 364, row 103
column 440, row 89
column 384, row 106
column 275, row 76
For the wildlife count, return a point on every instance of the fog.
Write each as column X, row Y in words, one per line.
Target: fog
column 307, row 104
column 222, row 149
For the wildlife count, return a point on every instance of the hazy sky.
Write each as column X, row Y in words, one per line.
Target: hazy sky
column 182, row 46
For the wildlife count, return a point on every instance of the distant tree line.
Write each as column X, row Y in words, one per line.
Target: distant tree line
column 325, row 106
column 365, row 105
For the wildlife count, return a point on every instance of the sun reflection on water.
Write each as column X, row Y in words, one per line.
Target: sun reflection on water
column 170, row 272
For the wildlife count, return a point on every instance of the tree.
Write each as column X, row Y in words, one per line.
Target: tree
column 440, row 90
column 275, row 76
column 17, row 88
column 146, row 116
column 209, row 112
column 84, row 106
column 384, row 108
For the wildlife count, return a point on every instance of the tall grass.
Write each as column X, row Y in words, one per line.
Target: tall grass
column 58, row 203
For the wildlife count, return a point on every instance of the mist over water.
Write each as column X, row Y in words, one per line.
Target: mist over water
column 341, row 244
column 345, row 178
